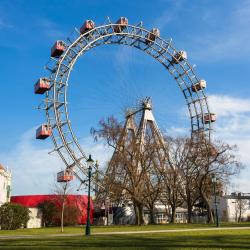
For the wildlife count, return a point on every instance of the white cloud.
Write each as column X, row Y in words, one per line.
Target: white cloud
column 98, row 150
column 233, row 126
column 229, row 106
column 34, row 170
column 233, row 117
column 216, row 32
column 224, row 37
column 177, row 131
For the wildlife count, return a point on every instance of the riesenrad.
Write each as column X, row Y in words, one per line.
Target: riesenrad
column 64, row 54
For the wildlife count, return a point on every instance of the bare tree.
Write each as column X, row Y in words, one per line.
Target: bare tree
column 171, row 192
column 152, row 193
column 217, row 159
column 62, row 189
column 176, row 171
column 181, row 174
column 241, row 205
column 131, row 173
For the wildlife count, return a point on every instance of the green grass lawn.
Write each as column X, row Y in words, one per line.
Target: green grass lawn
column 228, row 239
column 118, row 228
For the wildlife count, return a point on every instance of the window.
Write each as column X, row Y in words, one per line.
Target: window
column 160, row 218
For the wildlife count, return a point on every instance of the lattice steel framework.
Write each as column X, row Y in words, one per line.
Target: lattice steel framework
column 163, row 51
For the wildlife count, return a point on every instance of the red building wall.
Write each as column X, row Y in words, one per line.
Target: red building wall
column 80, row 201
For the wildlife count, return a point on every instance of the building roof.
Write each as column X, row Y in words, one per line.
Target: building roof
column 235, row 197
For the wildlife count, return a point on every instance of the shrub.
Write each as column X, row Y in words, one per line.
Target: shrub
column 49, row 211
column 71, row 213
column 13, row 216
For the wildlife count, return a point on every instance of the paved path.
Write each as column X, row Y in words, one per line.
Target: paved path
column 120, row 233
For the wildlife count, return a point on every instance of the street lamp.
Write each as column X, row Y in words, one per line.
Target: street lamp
column 215, row 200
column 89, row 164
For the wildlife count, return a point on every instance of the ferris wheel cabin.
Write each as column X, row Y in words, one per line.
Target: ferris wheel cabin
column 64, row 176
column 209, row 117
column 151, row 36
column 199, row 86
column 179, row 56
column 122, row 22
column 42, row 85
column 58, row 49
column 87, row 26
column 43, row 132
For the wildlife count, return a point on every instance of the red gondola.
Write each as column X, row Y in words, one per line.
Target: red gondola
column 88, row 25
column 179, row 56
column 207, row 118
column 64, row 176
column 58, row 48
column 43, row 131
column 42, row 85
column 152, row 35
column 122, row 23
column 199, row 86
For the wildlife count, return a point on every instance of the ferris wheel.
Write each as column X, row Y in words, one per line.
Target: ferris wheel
column 64, row 55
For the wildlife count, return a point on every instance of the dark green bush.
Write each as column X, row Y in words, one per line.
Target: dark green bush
column 13, row 216
column 49, row 211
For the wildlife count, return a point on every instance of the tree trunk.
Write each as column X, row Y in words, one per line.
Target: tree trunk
column 189, row 210
column 152, row 215
column 141, row 215
column 137, row 220
column 210, row 218
column 189, row 206
column 62, row 215
column 240, row 213
column 173, row 214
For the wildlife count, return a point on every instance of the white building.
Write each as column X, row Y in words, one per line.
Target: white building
column 35, row 220
column 234, row 207
column 5, row 183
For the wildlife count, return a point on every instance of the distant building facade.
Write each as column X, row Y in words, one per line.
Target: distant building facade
column 5, row 185
column 125, row 214
column 234, row 207
column 33, row 201
column 231, row 208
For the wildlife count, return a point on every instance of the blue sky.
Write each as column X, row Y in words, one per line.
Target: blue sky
column 215, row 35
